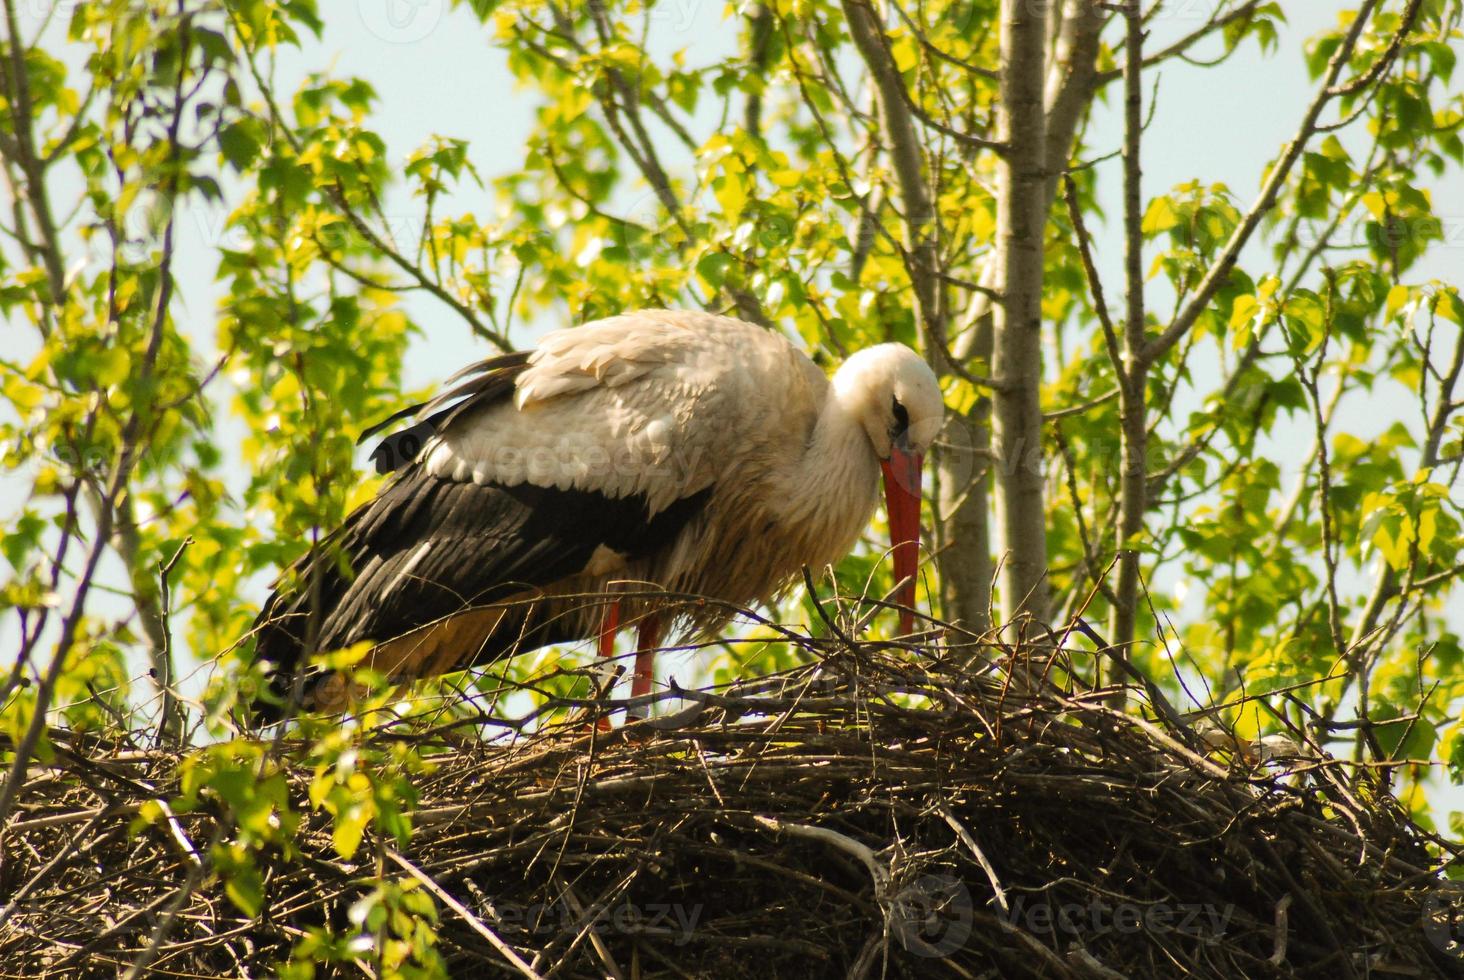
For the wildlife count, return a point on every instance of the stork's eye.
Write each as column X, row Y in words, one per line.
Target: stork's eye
column 900, row 431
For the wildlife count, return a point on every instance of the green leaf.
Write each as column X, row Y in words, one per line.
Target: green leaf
column 239, row 144
column 1243, row 309
column 1161, row 216
column 1397, row 296
column 1450, row 308
column 1428, row 523
column 112, row 366
column 350, row 826
column 731, row 190
column 905, row 53
column 245, row 887
column 712, row 268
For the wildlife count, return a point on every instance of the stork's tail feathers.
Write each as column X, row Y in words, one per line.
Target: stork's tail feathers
column 280, row 631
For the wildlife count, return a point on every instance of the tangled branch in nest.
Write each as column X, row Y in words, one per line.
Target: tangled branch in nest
column 864, row 816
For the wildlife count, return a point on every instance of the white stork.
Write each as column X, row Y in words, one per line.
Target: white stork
column 682, row 451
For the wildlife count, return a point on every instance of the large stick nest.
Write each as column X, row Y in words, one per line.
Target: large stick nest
column 864, row 816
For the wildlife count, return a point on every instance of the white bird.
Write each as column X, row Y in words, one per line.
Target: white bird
column 680, row 451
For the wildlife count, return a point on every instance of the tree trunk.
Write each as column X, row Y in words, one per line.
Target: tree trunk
column 1017, row 343
column 964, row 471
column 963, row 499
column 1134, row 372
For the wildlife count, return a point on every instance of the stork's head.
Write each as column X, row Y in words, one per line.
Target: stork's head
column 896, row 398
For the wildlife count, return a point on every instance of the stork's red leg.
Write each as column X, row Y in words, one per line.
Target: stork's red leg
column 608, row 628
column 648, row 638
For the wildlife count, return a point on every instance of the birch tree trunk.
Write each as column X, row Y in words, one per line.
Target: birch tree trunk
column 964, row 484
column 1132, row 372
column 1017, row 336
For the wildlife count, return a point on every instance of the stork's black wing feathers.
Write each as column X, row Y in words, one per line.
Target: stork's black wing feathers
column 428, row 548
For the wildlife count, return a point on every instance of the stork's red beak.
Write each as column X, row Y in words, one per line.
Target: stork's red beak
column 902, row 500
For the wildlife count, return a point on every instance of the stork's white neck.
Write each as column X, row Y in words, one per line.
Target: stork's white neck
column 830, row 492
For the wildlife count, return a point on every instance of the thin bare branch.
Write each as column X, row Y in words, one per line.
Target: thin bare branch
column 1220, row 269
